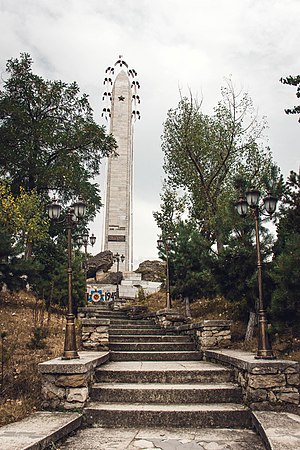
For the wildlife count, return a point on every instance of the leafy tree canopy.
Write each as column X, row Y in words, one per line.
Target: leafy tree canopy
column 203, row 154
column 48, row 137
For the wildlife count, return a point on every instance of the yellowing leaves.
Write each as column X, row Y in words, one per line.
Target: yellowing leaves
column 23, row 215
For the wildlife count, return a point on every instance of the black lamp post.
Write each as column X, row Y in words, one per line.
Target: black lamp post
column 117, row 258
column 76, row 211
column 264, row 350
column 167, row 246
column 85, row 239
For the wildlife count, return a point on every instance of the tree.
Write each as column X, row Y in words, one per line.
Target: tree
column 172, row 208
column 203, row 154
column 48, row 138
column 23, row 216
column 50, row 282
column 293, row 81
column 192, row 264
column 285, row 305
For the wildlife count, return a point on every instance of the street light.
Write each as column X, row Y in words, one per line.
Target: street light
column 167, row 246
column 74, row 212
column 85, row 239
column 264, row 350
column 117, row 258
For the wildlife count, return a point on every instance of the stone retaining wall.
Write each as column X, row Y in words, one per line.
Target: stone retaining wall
column 66, row 383
column 209, row 333
column 95, row 334
column 169, row 318
column 266, row 384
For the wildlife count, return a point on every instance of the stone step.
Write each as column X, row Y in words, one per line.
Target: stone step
column 208, row 415
column 174, row 372
column 156, row 356
column 152, row 346
column 113, row 315
column 135, row 323
column 165, row 393
column 113, row 338
column 141, row 330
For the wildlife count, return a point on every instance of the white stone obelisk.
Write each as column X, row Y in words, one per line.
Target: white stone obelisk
column 118, row 205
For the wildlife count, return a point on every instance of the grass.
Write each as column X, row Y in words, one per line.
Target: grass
column 20, row 315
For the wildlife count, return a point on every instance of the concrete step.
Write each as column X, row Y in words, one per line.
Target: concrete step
column 134, row 323
column 113, row 338
column 156, row 356
column 174, row 372
column 112, row 314
column 208, row 415
column 152, row 346
column 165, row 393
column 113, row 330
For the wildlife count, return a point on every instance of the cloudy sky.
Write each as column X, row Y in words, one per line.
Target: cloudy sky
column 172, row 44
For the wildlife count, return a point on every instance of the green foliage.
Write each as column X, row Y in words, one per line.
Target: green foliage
column 37, row 341
column 23, row 216
column 285, row 306
column 51, row 281
column 203, row 155
column 191, row 264
column 48, row 138
column 293, row 81
column 141, row 294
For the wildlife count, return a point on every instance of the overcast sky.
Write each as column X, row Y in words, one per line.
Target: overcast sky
column 172, row 44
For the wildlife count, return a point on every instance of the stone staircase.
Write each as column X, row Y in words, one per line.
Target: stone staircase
column 156, row 378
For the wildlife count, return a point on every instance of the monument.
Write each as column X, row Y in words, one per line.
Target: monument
column 121, row 111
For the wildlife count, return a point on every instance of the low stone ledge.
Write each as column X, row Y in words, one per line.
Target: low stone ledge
column 205, row 323
column 209, row 333
column 66, row 383
column 266, row 384
column 246, row 361
column 95, row 321
column 169, row 318
column 86, row 362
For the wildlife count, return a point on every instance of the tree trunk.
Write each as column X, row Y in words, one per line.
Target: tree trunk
column 28, row 250
column 250, row 327
column 187, row 306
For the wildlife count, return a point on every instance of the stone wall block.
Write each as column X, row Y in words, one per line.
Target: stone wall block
column 208, row 342
column 289, row 397
column 77, row 395
column 264, row 370
column 85, row 336
column 293, row 378
column 50, row 391
column 272, row 397
column 206, row 333
column 266, row 381
column 285, row 389
column 87, row 329
column 95, row 336
column 224, row 333
column 223, row 342
column 77, row 380
column 256, row 395
column 290, row 369
column 103, row 330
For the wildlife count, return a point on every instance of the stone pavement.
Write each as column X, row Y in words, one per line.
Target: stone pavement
column 38, row 430
column 163, row 439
